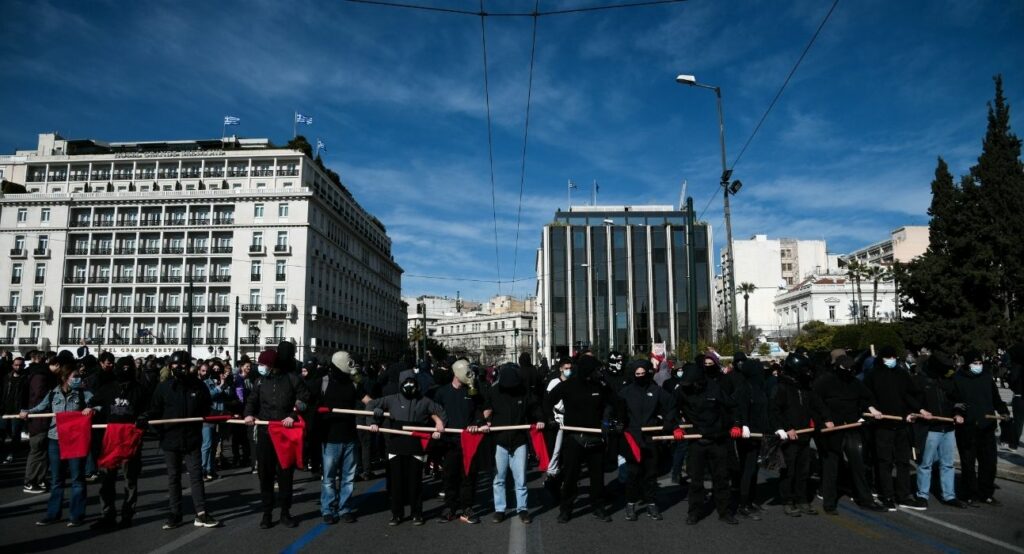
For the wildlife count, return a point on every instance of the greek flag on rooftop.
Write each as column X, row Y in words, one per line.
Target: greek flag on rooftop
column 299, row 118
column 231, row 120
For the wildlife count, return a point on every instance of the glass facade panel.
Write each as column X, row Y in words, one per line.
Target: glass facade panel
column 558, row 302
column 580, row 315
column 659, row 266
column 599, row 286
column 641, row 305
column 620, row 289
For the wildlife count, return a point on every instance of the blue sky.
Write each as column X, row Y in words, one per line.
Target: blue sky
column 398, row 97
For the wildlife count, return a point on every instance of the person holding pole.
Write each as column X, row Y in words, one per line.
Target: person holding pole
column 182, row 396
column 796, row 407
column 976, row 438
column 939, row 399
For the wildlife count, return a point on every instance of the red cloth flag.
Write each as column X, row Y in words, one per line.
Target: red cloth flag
column 633, row 446
column 121, row 442
column 470, row 442
column 74, row 434
column 424, row 438
column 217, row 418
column 540, row 447
column 287, row 442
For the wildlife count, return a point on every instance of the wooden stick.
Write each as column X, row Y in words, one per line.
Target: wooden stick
column 841, row 427
column 805, row 431
column 939, row 418
column 656, row 428
column 351, row 412
column 671, row 438
column 387, row 430
column 996, row 417
column 580, row 429
column 884, row 416
column 30, row 416
column 430, row 429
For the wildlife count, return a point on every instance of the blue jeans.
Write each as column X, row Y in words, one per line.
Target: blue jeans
column 502, row 463
column 76, row 470
column 339, row 477
column 938, row 447
column 210, row 439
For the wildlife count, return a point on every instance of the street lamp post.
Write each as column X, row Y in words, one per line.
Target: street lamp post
column 727, row 189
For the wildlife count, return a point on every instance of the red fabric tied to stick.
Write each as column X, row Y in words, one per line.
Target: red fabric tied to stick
column 121, row 442
column 470, row 442
column 217, row 418
column 74, row 434
column 287, row 442
column 634, row 447
column 424, row 438
column 540, row 447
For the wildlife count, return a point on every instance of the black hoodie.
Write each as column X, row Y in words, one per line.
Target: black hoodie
column 895, row 392
column 980, row 395
column 845, row 396
column 705, row 405
column 797, row 407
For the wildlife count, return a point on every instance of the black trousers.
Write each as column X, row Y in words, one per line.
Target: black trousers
column 108, row 488
column 459, row 488
column 892, row 446
column 747, row 450
column 977, row 449
column 405, row 475
column 270, row 470
column 793, row 482
column 574, row 456
column 643, row 476
column 703, row 456
column 837, row 445
column 1016, row 425
column 241, row 444
column 174, row 461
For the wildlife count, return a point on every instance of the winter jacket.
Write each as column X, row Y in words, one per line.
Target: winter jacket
column 647, row 406
column 180, row 398
column 415, row 411
column 339, row 392
column 118, row 402
column 846, row 398
column 57, row 401
column 981, row 397
column 279, row 395
column 13, row 389
column 40, row 382
column 706, row 406
column 514, row 406
column 586, row 402
column 895, row 391
column 462, row 409
column 795, row 407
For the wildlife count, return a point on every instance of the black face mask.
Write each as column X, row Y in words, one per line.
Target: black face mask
column 844, row 372
column 410, row 390
column 644, row 380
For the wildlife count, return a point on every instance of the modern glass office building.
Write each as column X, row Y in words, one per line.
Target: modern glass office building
column 617, row 278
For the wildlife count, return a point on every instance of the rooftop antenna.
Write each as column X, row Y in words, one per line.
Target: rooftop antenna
column 682, row 195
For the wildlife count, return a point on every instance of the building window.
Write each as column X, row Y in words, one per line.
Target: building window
column 40, row 273
column 278, row 331
column 16, row 270
column 831, row 313
column 256, row 272
column 282, row 238
column 257, row 238
column 279, row 296
column 22, row 215
column 44, row 215
column 257, row 210
column 280, row 272
column 44, row 242
column 254, row 296
column 19, row 242
column 282, row 209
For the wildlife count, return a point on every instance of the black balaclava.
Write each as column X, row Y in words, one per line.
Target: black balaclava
column 587, row 367
column 712, row 370
column 845, row 368
column 694, row 380
column 648, row 368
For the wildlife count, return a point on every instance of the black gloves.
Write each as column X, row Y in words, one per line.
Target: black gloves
column 142, row 423
column 378, row 414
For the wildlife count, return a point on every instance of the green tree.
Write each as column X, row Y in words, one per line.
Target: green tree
column 816, row 336
column 764, row 349
column 855, row 271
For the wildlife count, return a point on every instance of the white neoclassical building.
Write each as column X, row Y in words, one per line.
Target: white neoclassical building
column 833, row 299
column 236, row 244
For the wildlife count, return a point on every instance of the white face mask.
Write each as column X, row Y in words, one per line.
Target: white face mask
column 889, row 362
column 263, row 369
column 976, row 368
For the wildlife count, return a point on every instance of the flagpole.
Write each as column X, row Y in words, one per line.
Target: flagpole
column 569, row 192
column 593, row 202
column 295, row 123
column 317, row 147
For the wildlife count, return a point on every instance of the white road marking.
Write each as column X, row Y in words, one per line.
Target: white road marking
column 965, row 531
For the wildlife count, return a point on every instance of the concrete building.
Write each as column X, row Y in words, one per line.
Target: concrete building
column 772, row 266
column 115, row 243
column 490, row 338
column 904, row 244
column 617, row 278
column 832, row 299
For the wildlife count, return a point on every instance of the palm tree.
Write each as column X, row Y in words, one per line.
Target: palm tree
column 876, row 274
column 746, row 289
column 855, row 270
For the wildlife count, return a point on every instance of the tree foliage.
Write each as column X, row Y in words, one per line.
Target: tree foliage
column 816, row 336
column 966, row 291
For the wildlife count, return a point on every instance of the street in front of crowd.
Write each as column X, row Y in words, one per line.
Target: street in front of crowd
column 234, row 499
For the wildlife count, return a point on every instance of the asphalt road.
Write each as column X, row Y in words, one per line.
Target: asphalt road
column 234, row 499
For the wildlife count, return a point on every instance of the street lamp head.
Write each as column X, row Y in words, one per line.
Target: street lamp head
column 684, row 79
column 735, row 186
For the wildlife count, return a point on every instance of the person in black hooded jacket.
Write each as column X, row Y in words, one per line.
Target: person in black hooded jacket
column 939, row 400
column 646, row 404
column 976, row 438
column 794, row 407
column 752, row 415
column 711, row 411
column 847, row 399
column 896, row 394
column 587, row 402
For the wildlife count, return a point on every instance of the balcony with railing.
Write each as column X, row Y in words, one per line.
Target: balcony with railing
column 273, row 340
column 238, row 172
column 223, row 220
column 220, row 278
column 40, row 279
column 174, row 221
column 28, row 340
column 143, row 340
column 280, row 277
column 288, row 172
column 73, row 309
column 74, row 279
column 220, row 249
column 282, row 249
column 170, row 278
column 120, row 309
column 141, row 309
column 102, row 251
column 32, row 309
column 195, row 249
column 198, row 308
column 127, row 222
column 78, row 251
column 257, row 250
column 277, row 307
column 80, row 222
column 149, row 250
column 150, row 222
column 217, row 341
column 213, row 172
column 220, row 308
column 254, row 277
column 97, row 309
column 262, row 172
column 100, row 176
column 248, row 340
column 36, row 177
column 18, row 253
column 199, row 221
column 124, row 251
column 251, row 307
column 8, row 340
column 196, row 278
column 104, row 222
column 118, row 341
column 170, row 308
column 148, row 279
column 97, row 279
column 174, row 250
column 9, row 309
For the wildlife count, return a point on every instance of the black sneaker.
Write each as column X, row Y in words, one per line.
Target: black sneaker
column 746, row 513
column 872, row 506
column 806, row 509
column 446, row 515
column 76, row 523
column 791, row 510
column 266, row 522
column 889, row 505
column 205, row 520
column 525, row 517
column 563, row 517
column 395, row 520
column 348, row 517
column 653, row 512
column 991, row 501
column 286, row 519
column 728, row 519
column 47, row 521
column 417, row 520
column 600, row 515
column 172, row 522
column 498, row 517
column 330, row 519
column 33, row 488
column 955, row 503
column 914, row 503
column 630, row 511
